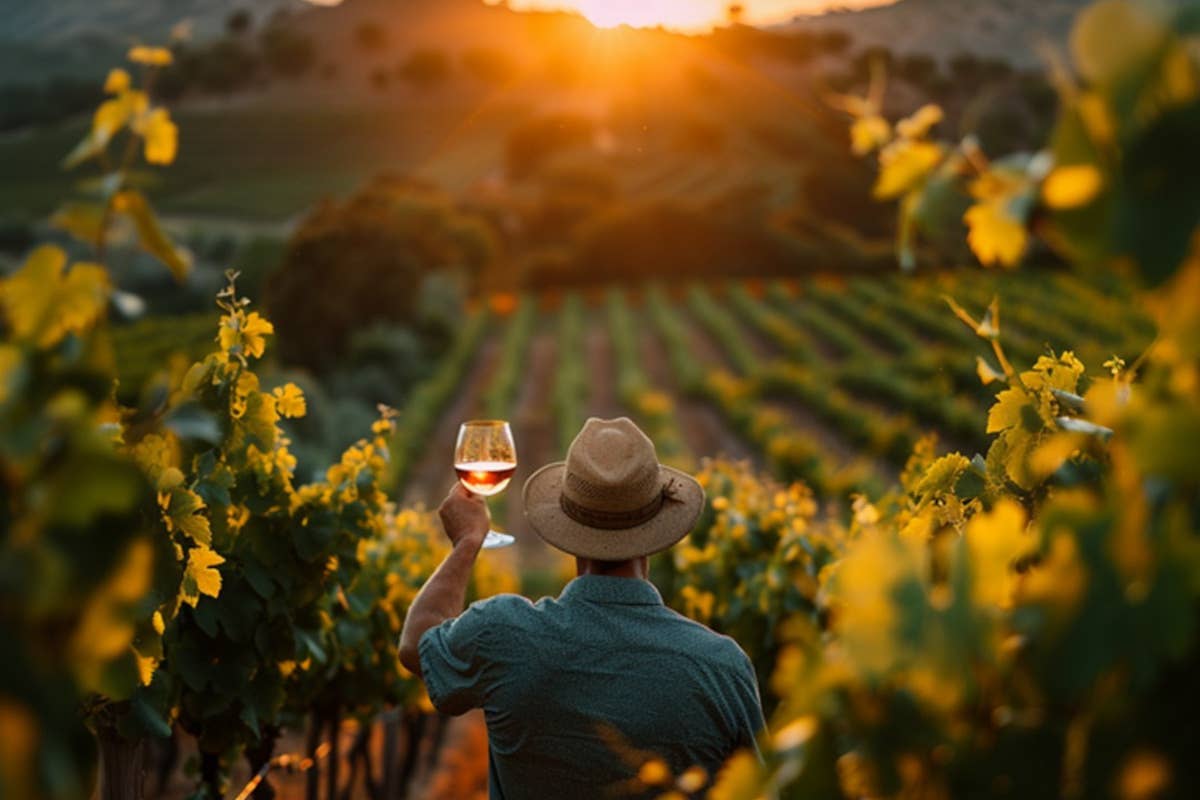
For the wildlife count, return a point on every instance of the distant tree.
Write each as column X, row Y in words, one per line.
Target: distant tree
column 352, row 265
column 489, row 65
column 287, row 52
column 425, row 68
column 735, row 13
column 239, row 22
column 370, row 36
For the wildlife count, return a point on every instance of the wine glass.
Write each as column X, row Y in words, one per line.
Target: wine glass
column 485, row 459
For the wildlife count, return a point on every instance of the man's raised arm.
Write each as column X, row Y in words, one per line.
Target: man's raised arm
column 444, row 595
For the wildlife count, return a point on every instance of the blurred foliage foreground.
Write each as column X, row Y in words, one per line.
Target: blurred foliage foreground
column 160, row 567
column 1019, row 623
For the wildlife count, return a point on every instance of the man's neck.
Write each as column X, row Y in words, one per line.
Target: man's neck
column 631, row 568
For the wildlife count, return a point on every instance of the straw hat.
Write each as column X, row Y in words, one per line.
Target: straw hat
column 611, row 500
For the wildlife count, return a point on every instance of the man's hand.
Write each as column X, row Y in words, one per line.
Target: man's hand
column 464, row 516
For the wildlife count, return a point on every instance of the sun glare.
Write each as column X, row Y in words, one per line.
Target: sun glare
column 679, row 14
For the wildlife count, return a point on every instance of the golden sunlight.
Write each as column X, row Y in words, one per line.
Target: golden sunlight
column 687, row 15
column 680, row 14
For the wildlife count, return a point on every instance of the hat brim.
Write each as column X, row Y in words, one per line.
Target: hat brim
column 673, row 521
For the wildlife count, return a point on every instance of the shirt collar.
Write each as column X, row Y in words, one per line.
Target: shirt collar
column 612, row 589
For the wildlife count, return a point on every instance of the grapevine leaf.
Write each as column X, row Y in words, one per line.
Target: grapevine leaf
column 160, row 136
column 1006, row 412
column 310, row 643
column 150, row 56
column 903, row 165
column 994, row 540
column 42, row 305
column 84, row 221
column 200, row 577
column 259, row 579
column 919, row 124
column 151, row 236
column 1072, row 186
column 868, row 133
column 250, row 717
column 995, row 235
column 117, row 81
column 206, row 619
column 1103, row 58
column 1158, row 234
column 185, row 514
column 986, row 372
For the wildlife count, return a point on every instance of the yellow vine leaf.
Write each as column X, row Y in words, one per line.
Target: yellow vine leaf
column 169, row 479
column 1072, row 186
column 740, row 779
column 1005, row 413
column 289, row 401
column 654, row 772
column 986, row 372
column 160, row 135
column 146, row 665
column 10, row 364
column 1052, row 453
column 994, row 540
column 868, row 133
column 1104, row 58
column 904, row 164
column 200, row 577
column 42, row 305
column 247, row 331
column 151, row 236
column 995, row 235
column 105, row 629
column 183, row 508
column 1060, row 372
column 150, row 56
column 920, row 122
column 84, row 221
column 1060, row 578
column 117, row 81
column 795, row 733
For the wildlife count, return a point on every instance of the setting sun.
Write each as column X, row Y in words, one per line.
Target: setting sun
column 686, row 15
column 682, row 14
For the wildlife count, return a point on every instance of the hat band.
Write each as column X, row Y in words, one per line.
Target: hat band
column 617, row 520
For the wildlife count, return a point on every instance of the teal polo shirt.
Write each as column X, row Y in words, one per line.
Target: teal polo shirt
column 580, row 690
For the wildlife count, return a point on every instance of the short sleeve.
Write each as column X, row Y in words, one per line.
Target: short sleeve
column 749, row 707
column 456, row 659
